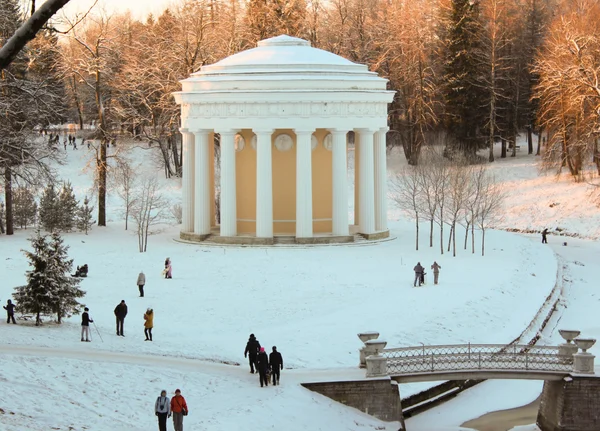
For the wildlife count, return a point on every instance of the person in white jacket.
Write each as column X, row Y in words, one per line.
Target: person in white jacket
column 141, row 281
column 162, row 409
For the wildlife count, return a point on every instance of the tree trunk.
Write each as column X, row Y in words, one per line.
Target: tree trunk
column 102, row 168
column 77, row 104
column 503, row 151
column 537, row 152
column 529, row 139
column 176, row 158
column 454, row 241
column 483, row 242
column 431, row 233
column 466, row 234
column 8, row 198
column 450, row 237
column 442, row 237
column 473, row 238
column 417, row 236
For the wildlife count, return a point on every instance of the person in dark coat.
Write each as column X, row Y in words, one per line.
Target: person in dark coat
column 120, row 313
column 85, row 325
column 10, row 311
column 262, row 366
column 276, row 365
column 419, row 270
column 544, row 233
column 251, row 352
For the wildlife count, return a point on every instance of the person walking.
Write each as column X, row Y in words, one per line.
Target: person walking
column 141, row 282
column 10, row 311
column 168, row 268
column 85, row 325
column 251, row 352
column 162, row 409
column 418, row 274
column 148, row 324
column 179, row 409
column 120, row 313
column 436, row 271
column 262, row 366
column 276, row 365
column 544, row 233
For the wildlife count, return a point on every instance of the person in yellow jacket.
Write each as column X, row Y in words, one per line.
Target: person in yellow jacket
column 148, row 323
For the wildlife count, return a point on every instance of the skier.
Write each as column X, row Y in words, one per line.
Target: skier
column 252, row 348
column 419, row 270
column 168, row 268
column 141, row 281
column 544, row 233
column 262, row 365
column 436, row 271
column 120, row 313
column 85, row 325
column 162, row 409
column 179, row 409
column 148, row 324
column 276, row 365
column 10, row 311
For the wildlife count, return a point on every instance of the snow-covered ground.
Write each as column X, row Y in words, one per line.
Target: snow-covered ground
column 310, row 302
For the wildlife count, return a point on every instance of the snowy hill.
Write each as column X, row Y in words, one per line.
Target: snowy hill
column 310, row 302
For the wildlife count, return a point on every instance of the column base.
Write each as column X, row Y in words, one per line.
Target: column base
column 375, row 235
column 325, row 239
column 194, row 237
column 242, row 240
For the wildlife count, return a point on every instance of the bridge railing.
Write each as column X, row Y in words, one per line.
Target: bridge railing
column 475, row 357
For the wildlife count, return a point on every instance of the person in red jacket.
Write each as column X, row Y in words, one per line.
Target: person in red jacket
column 179, row 409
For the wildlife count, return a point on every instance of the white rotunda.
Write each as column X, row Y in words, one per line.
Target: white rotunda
column 283, row 111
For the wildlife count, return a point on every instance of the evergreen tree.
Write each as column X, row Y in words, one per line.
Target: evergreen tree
column 65, row 289
column 24, row 207
column 35, row 297
column 84, row 216
column 463, row 70
column 68, row 208
column 50, row 218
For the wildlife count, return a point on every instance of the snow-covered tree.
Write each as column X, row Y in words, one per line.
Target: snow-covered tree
column 149, row 210
column 65, row 289
column 84, row 218
column 35, row 297
column 50, row 216
column 24, row 207
column 68, row 208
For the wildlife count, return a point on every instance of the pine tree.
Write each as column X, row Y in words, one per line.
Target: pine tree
column 35, row 297
column 24, row 207
column 50, row 218
column 68, row 207
column 65, row 288
column 84, row 217
column 464, row 98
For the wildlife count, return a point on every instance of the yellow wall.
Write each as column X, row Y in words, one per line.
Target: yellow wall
column 284, row 186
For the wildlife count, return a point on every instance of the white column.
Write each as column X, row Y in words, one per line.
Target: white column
column 264, row 184
column 202, row 184
column 187, row 183
column 380, row 181
column 340, row 183
column 228, row 189
column 304, row 212
column 366, row 214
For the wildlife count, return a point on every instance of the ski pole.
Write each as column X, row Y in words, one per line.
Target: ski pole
column 98, row 331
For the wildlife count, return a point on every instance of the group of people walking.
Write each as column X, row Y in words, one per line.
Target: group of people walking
column 165, row 407
column 267, row 367
column 420, row 273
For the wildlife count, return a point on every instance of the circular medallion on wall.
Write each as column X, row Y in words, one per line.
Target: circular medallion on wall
column 253, row 142
column 313, row 142
column 284, row 142
column 328, row 141
column 240, row 142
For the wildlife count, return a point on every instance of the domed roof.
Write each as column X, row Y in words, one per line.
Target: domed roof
column 284, row 63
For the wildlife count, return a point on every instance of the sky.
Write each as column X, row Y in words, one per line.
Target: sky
column 138, row 8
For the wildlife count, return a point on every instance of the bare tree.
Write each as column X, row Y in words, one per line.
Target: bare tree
column 490, row 203
column 125, row 182
column 148, row 211
column 406, row 192
column 458, row 190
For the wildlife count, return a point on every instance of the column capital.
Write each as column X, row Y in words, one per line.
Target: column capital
column 339, row 131
column 304, row 131
column 384, row 129
column 263, row 131
column 200, row 131
column 227, row 131
column 366, row 130
column 184, row 130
